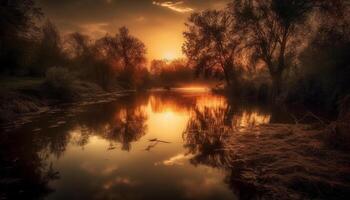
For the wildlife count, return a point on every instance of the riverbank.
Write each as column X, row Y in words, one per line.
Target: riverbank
column 244, row 153
column 280, row 161
column 20, row 97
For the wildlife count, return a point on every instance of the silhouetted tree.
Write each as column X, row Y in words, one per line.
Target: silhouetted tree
column 81, row 51
column 17, row 27
column 125, row 54
column 90, row 61
column 80, row 45
column 170, row 74
column 132, row 53
column 211, row 45
column 50, row 49
column 271, row 29
column 157, row 66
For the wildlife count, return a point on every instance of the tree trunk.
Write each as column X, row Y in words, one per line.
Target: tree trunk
column 276, row 85
column 277, row 73
column 227, row 79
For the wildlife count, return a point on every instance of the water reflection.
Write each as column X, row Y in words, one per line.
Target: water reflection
column 162, row 145
column 209, row 133
column 128, row 126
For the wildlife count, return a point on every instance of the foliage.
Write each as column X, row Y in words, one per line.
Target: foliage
column 16, row 33
column 170, row 74
column 59, row 83
column 239, row 44
column 48, row 50
column 28, row 50
column 282, row 38
column 211, row 45
column 86, row 61
column 109, row 59
column 126, row 54
column 324, row 66
column 272, row 30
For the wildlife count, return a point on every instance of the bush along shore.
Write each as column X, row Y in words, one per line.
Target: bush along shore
column 22, row 96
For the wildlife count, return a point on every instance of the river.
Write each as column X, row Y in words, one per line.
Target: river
column 154, row 145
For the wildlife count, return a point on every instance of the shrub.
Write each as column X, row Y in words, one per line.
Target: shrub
column 60, row 83
column 338, row 134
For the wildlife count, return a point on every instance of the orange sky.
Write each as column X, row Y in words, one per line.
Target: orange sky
column 159, row 24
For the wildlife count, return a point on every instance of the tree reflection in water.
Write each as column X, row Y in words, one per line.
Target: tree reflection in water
column 129, row 126
column 26, row 170
column 205, row 136
column 170, row 100
column 208, row 135
column 121, row 122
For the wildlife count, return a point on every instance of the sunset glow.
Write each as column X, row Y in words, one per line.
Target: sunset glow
column 159, row 24
column 169, row 56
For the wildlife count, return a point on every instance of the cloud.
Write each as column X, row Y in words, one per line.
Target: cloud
column 119, row 182
column 175, row 160
column 175, row 6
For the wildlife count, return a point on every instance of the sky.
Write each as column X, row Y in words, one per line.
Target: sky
column 158, row 23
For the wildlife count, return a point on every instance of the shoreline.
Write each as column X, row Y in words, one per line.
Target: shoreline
column 280, row 161
column 267, row 161
column 16, row 106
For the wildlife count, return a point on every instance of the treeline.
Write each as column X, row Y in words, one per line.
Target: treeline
column 113, row 61
column 171, row 73
column 285, row 50
column 30, row 49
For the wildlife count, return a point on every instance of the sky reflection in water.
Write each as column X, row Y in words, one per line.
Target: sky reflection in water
column 158, row 145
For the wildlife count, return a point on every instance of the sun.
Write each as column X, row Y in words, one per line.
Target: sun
column 169, row 56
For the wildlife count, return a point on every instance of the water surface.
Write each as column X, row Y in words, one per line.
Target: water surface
column 156, row 145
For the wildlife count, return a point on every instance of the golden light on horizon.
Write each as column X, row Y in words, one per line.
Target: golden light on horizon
column 158, row 24
column 167, row 44
column 170, row 55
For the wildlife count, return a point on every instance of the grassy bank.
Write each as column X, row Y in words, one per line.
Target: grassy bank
column 289, row 162
column 16, row 83
column 23, row 95
column 275, row 161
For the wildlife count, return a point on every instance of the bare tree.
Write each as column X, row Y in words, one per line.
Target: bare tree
column 211, row 45
column 80, row 45
column 127, row 55
column 269, row 28
column 87, row 61
column 272, row 29
column 132, row 52
column 50, row 47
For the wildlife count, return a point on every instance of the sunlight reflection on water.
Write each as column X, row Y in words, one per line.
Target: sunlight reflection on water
column 142, row 146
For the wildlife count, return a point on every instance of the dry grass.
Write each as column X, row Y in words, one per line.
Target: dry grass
column 289, row 162
column 19, row 83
